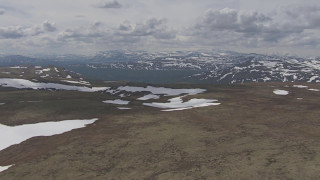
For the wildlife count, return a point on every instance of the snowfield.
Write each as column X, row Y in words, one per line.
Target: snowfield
column 3, row 168
column 177, row 103
column 300, row 86
column 26, row 84
column 77, row 82
column 161, row 90
column 281, row 92
column 117, row 101
column 149, row 96
column 11, row 135
column 124, row 108
column 316, row 90
column 174, row 104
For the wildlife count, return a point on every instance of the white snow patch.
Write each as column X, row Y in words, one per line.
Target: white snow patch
column 47, row 75
column 77, row 82
column 123, row 108
column 3, row 168
column 2, row 104
column 149, row 96
column 280, row 92
column 26, row 84
column 300, row 98
column 269, row 64
column 56, row 69
column 316, row 90
column 161, row 90
column 313, row 78
column 177, row 103
column 42, row 70
column 18, row 67
column 11, row 135
column 224, row 76
column 69, row 77
column 300, row 86
column 117, row 101
column 177, row 109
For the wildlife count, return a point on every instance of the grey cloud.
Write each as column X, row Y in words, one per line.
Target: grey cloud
column 307, row 16
column 153, row 27
column 125, row 27
column 74, row 35
column 232, row 20
column 15, row 32
column 89, row 34
column 109, row 5
column 126, row 35
column 2, row 12
column 11, row 32
column 257, row 27
column 49, row 26
column 46, row 26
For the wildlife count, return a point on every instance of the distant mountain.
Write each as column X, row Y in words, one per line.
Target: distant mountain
column 16, row 59
column 217, row 67
column 265, row 69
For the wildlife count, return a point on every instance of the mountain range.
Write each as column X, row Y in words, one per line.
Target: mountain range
column 214, row 67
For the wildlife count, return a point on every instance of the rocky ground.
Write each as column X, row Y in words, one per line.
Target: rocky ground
column 253, row 134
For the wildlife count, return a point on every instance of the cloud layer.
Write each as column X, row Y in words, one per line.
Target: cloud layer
column 145, row 25
column 109, row 5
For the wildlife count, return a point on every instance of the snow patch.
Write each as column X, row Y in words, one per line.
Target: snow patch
column 26, row 84
column 11, row 135
column 18, row 67
column 117, row 101
column 149, row 96
column 124, row 108
column 177, row 103
column 300, row 86
column 161, row 90
column 281, row 92
column 43, row 70
column 77, row 82
column 3, row 168
column 316, row 90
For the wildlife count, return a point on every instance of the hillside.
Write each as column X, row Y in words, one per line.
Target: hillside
column 177, row 131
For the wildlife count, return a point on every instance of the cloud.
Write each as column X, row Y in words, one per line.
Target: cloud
column 2, row 12
column 306, row 16
column 109, row 5
column 88, row 35
column 256, row 29
column 233, row 20
column 15, row 32
column 11, row 32
column 126, row 33
column 174, row 25
column 49, row 26
column 155, row 28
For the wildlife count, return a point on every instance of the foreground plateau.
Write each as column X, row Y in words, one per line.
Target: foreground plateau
column 119, row 130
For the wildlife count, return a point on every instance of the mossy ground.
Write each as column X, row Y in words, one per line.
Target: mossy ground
column 253, row 134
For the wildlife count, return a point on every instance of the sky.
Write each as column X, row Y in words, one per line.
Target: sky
column 90, row 26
